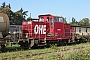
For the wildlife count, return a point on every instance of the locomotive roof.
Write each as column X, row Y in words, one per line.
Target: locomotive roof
column 50, row 15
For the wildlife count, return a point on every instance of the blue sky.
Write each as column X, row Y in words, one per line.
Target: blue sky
column 67, row 8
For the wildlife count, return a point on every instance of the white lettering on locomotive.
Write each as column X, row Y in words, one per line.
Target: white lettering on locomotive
column 40, row 29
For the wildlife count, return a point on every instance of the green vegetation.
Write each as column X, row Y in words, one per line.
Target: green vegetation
column 82, row 22
column 74, row 52
column 81, row 55
column 16, row 17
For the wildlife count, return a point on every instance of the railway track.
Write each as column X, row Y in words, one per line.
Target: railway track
column 18, row 48
column 53, row 52
column 56, row 52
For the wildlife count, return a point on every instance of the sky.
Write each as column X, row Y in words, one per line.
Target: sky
column 67, row 8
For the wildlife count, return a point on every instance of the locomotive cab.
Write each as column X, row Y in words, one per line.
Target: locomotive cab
column 56, row 24
column 59, row 32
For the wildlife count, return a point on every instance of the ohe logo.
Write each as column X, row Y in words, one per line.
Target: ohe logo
column 40, row 29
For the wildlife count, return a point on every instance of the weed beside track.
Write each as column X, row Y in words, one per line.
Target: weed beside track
column 52, row 53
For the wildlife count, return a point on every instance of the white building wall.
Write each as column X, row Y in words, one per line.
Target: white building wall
column 77, row 30
column 83, row 31
column 88, row 31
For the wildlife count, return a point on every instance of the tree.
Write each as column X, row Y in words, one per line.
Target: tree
column 3, row 5
column 65, row 20
column 84, row 22
column 14, row 17
column 7, row 11
column 9, row 6
column 20, row 16
column 74, row 22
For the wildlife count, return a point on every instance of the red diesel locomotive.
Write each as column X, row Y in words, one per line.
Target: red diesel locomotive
column 49, row 29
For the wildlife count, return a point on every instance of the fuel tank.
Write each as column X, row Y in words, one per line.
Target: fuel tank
column 4, row 25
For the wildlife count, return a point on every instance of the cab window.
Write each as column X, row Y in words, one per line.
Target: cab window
column 55, row 19
column 51, row 23
column 47, row 19
column 42, row 19
column 58, row 19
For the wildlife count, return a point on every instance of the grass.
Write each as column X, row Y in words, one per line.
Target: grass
column 74, row 52
column 81, row 55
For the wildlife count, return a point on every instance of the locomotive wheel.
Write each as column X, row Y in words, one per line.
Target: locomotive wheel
column 24, row 45
column 63, row 42
column 2, row 47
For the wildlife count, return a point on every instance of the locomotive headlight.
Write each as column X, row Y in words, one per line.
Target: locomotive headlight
column 26, row 35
